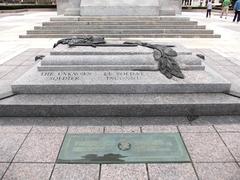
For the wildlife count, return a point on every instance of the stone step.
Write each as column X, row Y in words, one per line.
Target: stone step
column 119, row 27
column 122, row 31
column 120, row 18
column 97, row 82
column 70, row 23
column 137, row 105
column 125, row 35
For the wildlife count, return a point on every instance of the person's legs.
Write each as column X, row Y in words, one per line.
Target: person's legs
column 238, row 15
column 226, row 11
column 235, row 16
column 210, row 13
column 222, row 12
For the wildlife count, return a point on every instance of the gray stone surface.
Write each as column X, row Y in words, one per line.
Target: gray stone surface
column 182, row 171
column 40, row 148
column 154, row 121
column 113, row 62
column 9, row 145
column 72, row 12
column 129, row 8
column 3, row 168
column 63, row 5
column 232, row 141
column 143, row 35
column 85, row 129
column 34, row 81
column 217, row 120
column 218, row 171
column 28, row 171
column 44, row 105
column 76, row 172
column 228, row 127
column 196, row 129
column 123, row 171
column 17, row 121
column 49, row 129
column 14, row 129
column 50, row 125
column 206, row 147
column 159, row 129
column 122, row 129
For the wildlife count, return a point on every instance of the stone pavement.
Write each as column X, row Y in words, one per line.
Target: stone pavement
column 29, row 146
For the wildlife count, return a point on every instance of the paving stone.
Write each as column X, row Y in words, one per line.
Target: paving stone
column 218, row 171
column 122, row 129
column 206, row 147
column 16, row 61
column 9, row 144
column 203, row 120
column 85, row 129
column 232, row 141
column 123, row 171
column 49, row 129
column 183, row 171
column 228, row 128
column 50, row 125
column 3, row 168
column 4, row 70
column 16, row 73
column 28, row 171
column 196, row 129
column 142, row 121
column 15, row 129
column 76, row 172
column 159, row 129
column 40, row 148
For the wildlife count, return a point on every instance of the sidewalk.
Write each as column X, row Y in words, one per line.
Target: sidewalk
column 29, row 146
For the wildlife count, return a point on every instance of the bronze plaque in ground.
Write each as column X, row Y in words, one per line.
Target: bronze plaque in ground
column 123, row 148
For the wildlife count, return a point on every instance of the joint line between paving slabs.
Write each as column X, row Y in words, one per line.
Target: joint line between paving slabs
column 226, row 146
column 100, row 165
column 188, row 153
column 58, row 154
column 16, row 152
column 141, row 131
column 148, row 175
column 100, row 170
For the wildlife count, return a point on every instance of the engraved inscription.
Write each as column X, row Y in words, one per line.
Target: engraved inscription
column 80, row 75
column 126, row 75
column 65, row 76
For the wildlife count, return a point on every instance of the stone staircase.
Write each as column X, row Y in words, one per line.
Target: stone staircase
column 121, row 27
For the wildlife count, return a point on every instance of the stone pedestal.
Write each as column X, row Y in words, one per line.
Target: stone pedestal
column 118, row 8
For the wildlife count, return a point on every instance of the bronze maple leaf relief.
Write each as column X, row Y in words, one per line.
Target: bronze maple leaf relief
column 163, row 54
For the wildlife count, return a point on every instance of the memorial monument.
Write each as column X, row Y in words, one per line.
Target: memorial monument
column 87, row 76
column 120, row 19
column 118, row 7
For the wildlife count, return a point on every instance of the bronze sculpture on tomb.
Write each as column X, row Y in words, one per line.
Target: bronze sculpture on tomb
column 163, row 54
